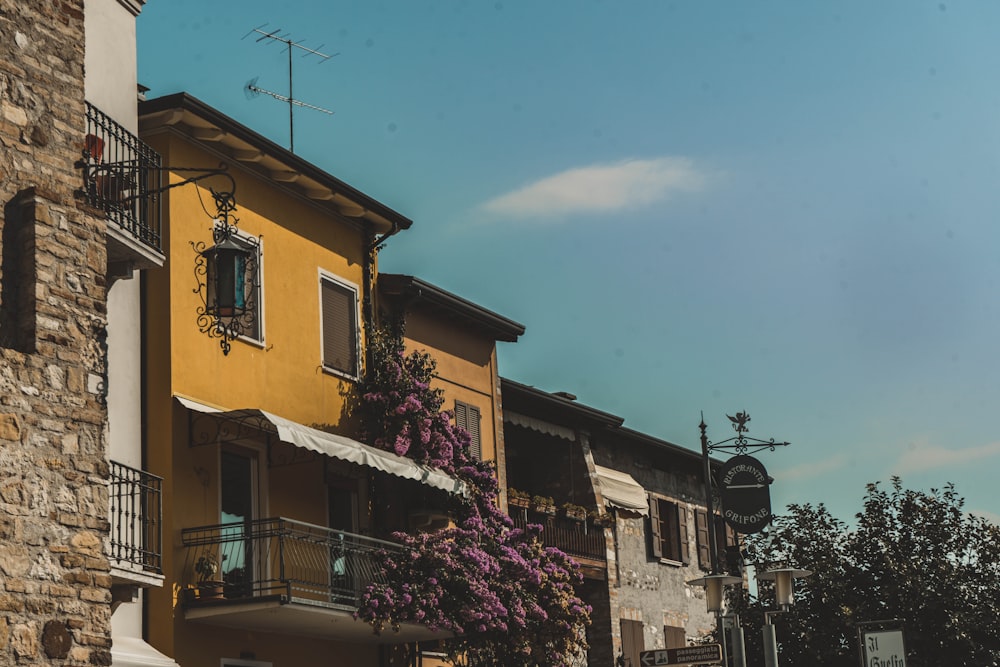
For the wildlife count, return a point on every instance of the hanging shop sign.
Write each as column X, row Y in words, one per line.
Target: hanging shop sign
column 746, row 494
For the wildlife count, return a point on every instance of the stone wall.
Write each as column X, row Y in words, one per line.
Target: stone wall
column 54, row 576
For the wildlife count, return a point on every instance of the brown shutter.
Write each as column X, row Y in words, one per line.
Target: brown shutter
column 701, row 537
column 684, row 550
column 632, row 641
column 654, row 525
column 340, row 328
column 674, row 637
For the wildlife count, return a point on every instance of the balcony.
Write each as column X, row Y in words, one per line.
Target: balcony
column 135, row 543
column 121, row 175
column 585, row 543
column 285, row 576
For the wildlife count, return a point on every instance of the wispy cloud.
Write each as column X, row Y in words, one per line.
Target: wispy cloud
column 928, row 457
column 600, row 188
column 813, row 469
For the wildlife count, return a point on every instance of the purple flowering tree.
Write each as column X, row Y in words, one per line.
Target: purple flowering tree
column 506, row 598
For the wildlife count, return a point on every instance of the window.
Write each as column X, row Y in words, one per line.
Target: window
column 468, row 417
column 724, row 538
column 339, row 314
column 249, row 291
column 669, row 530
column 632, row 642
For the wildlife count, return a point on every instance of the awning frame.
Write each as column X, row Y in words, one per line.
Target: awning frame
column 209, row 425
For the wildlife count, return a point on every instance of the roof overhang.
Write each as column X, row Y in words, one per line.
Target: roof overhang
column 332, row 445
column 235, row 143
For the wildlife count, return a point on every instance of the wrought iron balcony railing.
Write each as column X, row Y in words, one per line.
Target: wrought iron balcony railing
column 292, row 560
column 575, row 538
column 136, row 519
column 120, row 173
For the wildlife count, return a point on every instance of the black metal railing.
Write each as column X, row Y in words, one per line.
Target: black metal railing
column 121, row 173
column 136, row 518
column 572, row 537
column 280, row 557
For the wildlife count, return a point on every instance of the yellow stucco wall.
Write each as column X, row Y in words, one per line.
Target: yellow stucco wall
column 283, row 376
column 466, row 367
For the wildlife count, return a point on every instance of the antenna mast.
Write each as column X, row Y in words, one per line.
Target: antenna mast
column 252, row 87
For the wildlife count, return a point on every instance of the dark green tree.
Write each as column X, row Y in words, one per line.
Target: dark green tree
column 914, row 556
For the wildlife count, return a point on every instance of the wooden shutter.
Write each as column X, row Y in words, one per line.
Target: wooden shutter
column 674, row 637
column 468, row 417
column 654, row 527
column 340, row 327
column 701, row 537
column 632, row 641
column 683, row 550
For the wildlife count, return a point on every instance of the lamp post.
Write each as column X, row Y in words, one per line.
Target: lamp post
column 742, row 444
column 784, row 598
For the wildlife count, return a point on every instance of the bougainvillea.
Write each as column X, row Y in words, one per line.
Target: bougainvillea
column 505, row 597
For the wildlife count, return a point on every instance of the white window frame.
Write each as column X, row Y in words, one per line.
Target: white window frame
column 257, row 244
column 333, row 278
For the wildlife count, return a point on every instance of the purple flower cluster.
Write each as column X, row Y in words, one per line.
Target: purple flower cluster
column 506, row 597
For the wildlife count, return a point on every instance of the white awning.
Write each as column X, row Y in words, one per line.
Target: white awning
column 622, row 491
column 336, row 446
column 539, row 425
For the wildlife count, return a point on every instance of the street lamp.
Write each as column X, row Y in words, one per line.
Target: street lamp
column 784, row 597
column 714, row 585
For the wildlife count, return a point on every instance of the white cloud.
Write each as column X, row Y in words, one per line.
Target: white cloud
column 928, row 457
column 600, row 188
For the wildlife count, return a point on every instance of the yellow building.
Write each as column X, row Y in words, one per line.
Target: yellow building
column 271, row 504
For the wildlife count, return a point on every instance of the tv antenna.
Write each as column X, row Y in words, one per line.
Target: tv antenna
column 252, row 89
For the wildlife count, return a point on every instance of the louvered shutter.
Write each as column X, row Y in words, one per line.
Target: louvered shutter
column 682, row 533
column 340, row 327
column 674, row 637
column 701, row 536
column 656, row 538
column 468, row 417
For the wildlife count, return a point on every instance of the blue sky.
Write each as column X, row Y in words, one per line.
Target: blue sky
column 783, row 207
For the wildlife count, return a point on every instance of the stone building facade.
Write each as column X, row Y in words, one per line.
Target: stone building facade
column 55, row 582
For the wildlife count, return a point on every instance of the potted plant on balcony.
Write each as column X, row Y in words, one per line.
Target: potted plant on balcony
column 574, row 512
column 207, row 567
column 517, row 498
column 543, row 505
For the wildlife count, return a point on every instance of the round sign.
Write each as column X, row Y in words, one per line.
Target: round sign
column 746, row 496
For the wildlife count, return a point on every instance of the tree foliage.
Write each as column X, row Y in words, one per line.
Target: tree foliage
column 914, row 556
column 507, row 598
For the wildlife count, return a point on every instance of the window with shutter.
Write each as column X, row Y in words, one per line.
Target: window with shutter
column 339, row 306
column 669, row 530
column 468, row 417
column 701, row 538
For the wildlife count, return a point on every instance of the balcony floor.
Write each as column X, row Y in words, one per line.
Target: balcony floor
column 302, row 618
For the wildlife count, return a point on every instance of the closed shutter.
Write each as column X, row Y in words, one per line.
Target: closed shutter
column 468, row 417
column 632, row 642
column 674, row 637
column 340, row 327
column 701, row 537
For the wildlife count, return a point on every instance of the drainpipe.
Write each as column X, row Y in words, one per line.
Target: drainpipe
column 368, row 299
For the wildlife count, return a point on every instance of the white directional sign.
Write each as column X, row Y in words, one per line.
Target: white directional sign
column 689, row 655
column 884, row 648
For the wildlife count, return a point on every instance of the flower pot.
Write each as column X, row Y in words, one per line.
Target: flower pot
column 211, row 590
